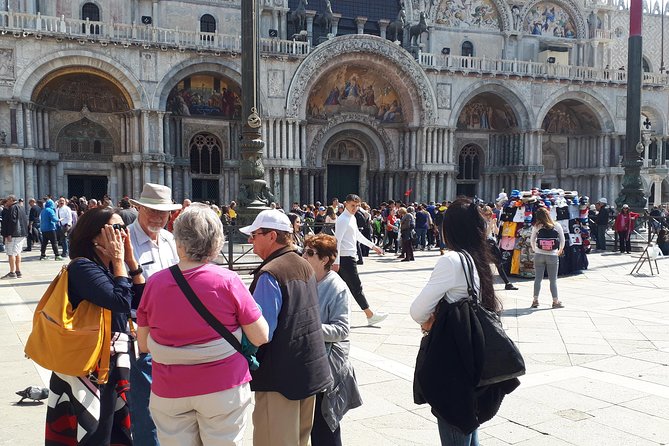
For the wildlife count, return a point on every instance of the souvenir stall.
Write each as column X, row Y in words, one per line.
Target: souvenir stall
column 566, row 208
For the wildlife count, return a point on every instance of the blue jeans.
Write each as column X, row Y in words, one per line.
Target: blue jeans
column 143, row 429
column 452, row 436
column 422, row 240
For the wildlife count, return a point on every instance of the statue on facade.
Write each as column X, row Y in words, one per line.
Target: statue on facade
column 416, row 31
column 327, row 18
column 396, row 29
column 3, row 138
column 515, row 12
column 299, row 16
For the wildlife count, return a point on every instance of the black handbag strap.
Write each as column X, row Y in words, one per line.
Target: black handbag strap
column 202, row 310
column 468, row 270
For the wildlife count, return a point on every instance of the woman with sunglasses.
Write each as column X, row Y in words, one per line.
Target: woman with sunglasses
column 297, row 236
column 102, row 260
column 333, row 297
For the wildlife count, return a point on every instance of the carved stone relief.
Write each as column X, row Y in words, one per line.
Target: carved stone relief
column 6, row 63
column 275, row 83
column 444, row 96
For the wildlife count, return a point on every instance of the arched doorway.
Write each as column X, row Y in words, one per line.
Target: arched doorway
column 572, row 129
column 470, row 163
column 86, row 112
column 345, row 158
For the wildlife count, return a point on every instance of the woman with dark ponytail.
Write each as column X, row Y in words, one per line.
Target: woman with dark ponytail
column 464, row 231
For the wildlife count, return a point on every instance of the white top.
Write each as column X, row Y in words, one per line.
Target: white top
column 347, row 234
column 153, row 257
column 65, row 215
column 447, row 278
column 533, row 240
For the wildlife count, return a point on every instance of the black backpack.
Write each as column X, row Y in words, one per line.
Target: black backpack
column 547, row 239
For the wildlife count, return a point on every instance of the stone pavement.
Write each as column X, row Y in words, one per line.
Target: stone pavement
column 597, row 370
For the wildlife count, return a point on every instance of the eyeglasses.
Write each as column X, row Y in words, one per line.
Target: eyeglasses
column 155, row 211
column 310, row 252
column 253, row 235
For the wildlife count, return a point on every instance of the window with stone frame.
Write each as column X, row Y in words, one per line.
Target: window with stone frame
column 205, row 154
column 84, row 137
column 91, row 12
column 469, row 166
column 207, row 25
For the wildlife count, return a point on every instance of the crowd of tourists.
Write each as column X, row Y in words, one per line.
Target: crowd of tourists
column 191, row 343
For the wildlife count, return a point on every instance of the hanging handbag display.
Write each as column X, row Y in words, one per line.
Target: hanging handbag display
column 71, row 341
column 502, row 359
column 245, row 347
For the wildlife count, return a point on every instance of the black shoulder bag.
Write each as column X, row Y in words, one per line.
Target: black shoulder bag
column 502, row 359
column 248, row 353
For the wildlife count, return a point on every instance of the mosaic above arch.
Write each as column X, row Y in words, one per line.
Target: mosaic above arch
column 571, row 117
column 354, row 89
column 75, row 91
column 468, row 14
column 550, row 19
column 206, row 95
column 487, row 111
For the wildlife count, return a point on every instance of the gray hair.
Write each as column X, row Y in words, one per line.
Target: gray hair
column 199, row 232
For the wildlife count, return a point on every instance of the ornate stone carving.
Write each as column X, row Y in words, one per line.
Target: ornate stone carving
column 6, row 63
column 368, row 121
column 570, row 6
column 312, row 67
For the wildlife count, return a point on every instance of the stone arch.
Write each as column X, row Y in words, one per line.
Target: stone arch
column 190, row 67
column 599, row 109
column 570, row 6
column 523, row 114
column 113, row 70
column 383, row 155
column 407, row 77
column 505, row 18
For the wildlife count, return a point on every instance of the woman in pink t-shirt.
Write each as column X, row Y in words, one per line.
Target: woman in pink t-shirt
column 200, row 391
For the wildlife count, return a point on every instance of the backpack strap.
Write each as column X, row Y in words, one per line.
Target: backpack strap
column 202, row 310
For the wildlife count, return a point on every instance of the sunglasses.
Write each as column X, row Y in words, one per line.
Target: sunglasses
column 119, row 226
column 253, row 235
column 310, row 252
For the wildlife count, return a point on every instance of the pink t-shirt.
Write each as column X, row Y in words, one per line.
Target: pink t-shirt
column 174, row 322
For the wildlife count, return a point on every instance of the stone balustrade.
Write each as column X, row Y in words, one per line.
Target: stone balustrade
column 503, row 67
column 60, row 27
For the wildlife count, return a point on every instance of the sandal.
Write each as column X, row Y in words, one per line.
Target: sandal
column 535, row 303
column 557, row 304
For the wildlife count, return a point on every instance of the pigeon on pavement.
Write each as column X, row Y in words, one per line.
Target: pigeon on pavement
column 33, row 393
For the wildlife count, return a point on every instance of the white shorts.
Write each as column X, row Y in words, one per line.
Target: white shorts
column 15, row 246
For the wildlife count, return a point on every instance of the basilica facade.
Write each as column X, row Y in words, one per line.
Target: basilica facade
column 417, row 99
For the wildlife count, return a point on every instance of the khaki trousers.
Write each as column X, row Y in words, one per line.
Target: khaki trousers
column 278, row 421
column 214, row 419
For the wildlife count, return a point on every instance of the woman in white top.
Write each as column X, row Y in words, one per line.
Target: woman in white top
column 548, row 257
column 464, row 230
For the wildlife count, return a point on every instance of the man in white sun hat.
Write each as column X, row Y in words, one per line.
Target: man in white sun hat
column 293, row 364
column 154, row 250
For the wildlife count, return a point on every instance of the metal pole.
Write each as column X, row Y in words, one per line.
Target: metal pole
column 632, row 192
column 664, row 5
column 253, row 192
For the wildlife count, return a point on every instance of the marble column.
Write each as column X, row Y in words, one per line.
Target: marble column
column 290, row 149
column 136, row 124
column 136, row 179
column 20, row 133
column 285, row 188
column 13, row 132
column 657, row 199
column 296, row 186
column 310, row 26
column 40, row 129
column 360, row 22
column 53, row 181
column 161, row 132
column 146, row 145
column 283, row 150
column 168, row 176
column 383, row 27
column 28, row 172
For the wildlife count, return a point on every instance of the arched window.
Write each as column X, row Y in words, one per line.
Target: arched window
column 467, row 48
column 645, row 65
column 469, row 166
column 205, row 154
column 207, row 24
column 90, row 12
column 97, row 146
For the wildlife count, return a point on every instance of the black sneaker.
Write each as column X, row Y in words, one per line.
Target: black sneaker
column 509, row 286
column 9, row 276
column 18, row 274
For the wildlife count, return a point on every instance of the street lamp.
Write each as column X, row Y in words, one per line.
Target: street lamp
column 254, row 195
column 664, row 11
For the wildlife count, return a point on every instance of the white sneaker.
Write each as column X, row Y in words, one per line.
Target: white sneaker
column 376, row 318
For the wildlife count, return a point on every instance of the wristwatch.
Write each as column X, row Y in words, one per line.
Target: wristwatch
column 136, row 272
